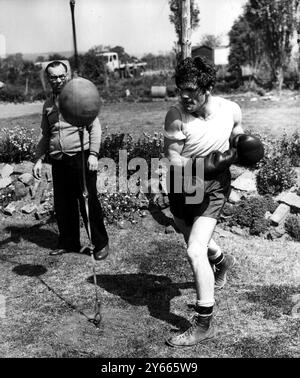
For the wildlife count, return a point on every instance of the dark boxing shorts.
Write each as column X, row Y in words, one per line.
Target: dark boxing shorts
column 216, row 193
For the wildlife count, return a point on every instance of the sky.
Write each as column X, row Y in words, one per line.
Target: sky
column 140, row 26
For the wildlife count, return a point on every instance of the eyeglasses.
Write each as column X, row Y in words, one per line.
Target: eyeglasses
column 190, row 92
column 56, row 77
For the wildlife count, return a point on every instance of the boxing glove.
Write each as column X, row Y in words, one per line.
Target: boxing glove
column 217, row 162
column 249, row 149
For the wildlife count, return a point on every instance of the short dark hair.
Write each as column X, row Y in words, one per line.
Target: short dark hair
column 55, row 63
column 197, row 71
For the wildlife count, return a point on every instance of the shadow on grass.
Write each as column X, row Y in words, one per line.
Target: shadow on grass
column 31, row 270
column 149, row 290
column 160, row 217
column 44, row 238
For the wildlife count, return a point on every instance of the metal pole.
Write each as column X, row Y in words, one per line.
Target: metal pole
column 72, row 6
column 186, row 50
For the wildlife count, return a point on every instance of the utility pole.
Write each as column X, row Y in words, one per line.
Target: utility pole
column 186, row 50
column 72, row 6
column 298, row 37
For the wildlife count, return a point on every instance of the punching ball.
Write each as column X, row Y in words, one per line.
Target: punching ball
column 79, row 102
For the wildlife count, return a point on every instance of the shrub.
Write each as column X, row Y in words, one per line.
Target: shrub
column 259, row 226
column 290, row 147
column 251, row 213
column 146, row 147
column 119, row 206
column 112, row 144
column 275, row 175
column 292, row 226
column 11, row 94
column 39, row 96
column 17, row 144
column 7, row 195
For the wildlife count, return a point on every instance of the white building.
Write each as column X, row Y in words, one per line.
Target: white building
column 221, row 55
column 2, row 46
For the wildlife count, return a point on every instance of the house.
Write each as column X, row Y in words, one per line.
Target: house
column 218, row 55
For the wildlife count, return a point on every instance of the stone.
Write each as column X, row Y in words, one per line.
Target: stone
column 26, row 178
column 24, row 167
column 6, row 170
column 234, row 197
column 236, row 171
column 221, row 232
column 169, row 230
column 267, row 215
column 4, row 182
column 280, row 214
column 291, row 199
column 20, row 190
column 245, row 182
column 29, row 208
column 239, row 231
column 276, row 232
column 10, row 209
column 34, row 188
column 42, row 211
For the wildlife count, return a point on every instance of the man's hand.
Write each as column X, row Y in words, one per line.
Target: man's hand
column 93, row 163
column 37, row 169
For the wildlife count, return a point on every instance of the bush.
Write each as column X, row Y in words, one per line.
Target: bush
column 292, row 226
column 17, row 144
column 7, row 195
column 11, row 94
column 146, row 147
column 119, row 206
column 251, row 213
column 275, row 175
column 291, row 79
column 290, row 147
column 259, row 226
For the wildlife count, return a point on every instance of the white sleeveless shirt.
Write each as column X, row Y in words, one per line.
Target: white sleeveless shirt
column 202, row 136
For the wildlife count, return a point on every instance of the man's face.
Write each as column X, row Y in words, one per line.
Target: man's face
column 192, row 98
column 57, row 77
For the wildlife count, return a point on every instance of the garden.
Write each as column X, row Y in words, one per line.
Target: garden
column 145, row 285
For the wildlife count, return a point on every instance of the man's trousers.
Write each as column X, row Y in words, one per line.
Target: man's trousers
column 69, row 202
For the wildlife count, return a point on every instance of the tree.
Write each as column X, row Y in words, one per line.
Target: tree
column 92, row 67
column 263, row 32
column 211, row 40
column 122, row 54
column 56, row 56
column 40, row 58
column 175, row 16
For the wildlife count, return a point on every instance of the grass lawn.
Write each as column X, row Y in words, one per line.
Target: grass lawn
column 264, row 116
column 146, row 286
column 147, row 293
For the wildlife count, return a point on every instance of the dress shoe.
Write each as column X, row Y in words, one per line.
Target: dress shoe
column 102, row 254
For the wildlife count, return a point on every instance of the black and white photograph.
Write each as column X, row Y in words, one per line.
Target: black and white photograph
column 149, row 183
